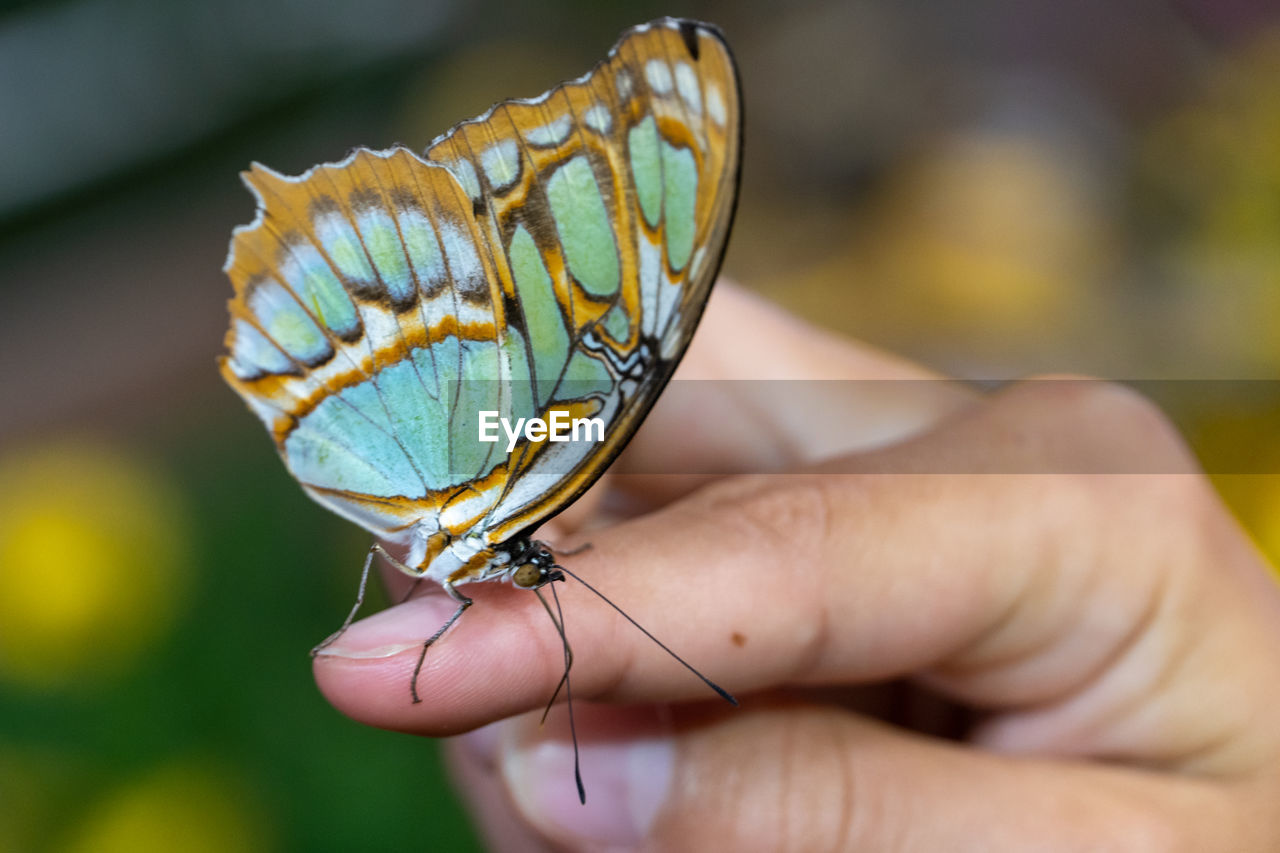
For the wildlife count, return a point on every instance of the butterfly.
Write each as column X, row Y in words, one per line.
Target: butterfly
column 549, row 259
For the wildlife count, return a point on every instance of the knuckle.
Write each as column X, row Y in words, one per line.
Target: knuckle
column 777, row 512
column 1125, row 430
column 780, row 513
column 791, row 521
column 1133, row 413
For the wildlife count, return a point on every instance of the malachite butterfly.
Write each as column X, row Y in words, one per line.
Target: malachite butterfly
column 552, row 256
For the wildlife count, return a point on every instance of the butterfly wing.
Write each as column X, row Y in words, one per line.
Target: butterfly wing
column 610, row 198
column 361, row 302
column 553, row 255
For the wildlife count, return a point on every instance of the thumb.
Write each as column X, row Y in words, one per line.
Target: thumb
column 807, row 777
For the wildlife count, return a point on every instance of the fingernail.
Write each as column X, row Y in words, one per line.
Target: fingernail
column 626, row 784
column 392, row 631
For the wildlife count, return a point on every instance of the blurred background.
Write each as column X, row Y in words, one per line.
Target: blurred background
column 994, row 187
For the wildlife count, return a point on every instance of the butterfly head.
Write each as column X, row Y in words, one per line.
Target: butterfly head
column 534, row 566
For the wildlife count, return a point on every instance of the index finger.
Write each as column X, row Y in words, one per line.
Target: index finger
column 842, row 579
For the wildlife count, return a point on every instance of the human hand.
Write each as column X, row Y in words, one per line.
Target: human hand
column 1046, row 563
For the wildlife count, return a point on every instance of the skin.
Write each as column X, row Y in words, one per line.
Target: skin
column 955, row 621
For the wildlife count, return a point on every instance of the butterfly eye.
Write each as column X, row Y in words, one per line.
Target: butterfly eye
column 528, row 576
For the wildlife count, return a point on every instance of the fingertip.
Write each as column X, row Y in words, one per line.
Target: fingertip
column 368, row 673
column 504, row 656
column 365, row 671
column 389, row 632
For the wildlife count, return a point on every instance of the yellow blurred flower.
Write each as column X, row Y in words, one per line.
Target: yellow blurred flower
column 995, row 229
column 992, row 243
column 189, row 806
column 1256, row 500
column 90, row 561
column 1267, row 525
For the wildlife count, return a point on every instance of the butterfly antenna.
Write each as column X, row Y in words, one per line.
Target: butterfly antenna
column 724, row 694
column 557, row 619
column 567, row 649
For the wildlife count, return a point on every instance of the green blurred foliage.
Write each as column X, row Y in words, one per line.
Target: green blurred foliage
column 221, row 703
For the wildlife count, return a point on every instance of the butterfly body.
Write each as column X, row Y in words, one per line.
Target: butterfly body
column 551, row 256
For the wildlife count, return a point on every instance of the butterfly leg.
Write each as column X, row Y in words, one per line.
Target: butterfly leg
column 375, row 548
column 463, row 604
column 355, row 608
column 585, row 546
